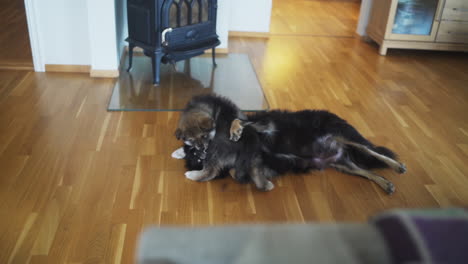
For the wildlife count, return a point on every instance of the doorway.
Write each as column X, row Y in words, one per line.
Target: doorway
column 15, row 52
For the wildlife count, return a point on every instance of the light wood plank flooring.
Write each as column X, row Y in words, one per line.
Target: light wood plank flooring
column 78, row 183
column 314, row 18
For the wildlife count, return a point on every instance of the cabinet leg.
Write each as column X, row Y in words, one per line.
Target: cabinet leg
column 383, row 50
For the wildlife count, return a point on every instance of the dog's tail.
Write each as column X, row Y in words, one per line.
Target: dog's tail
column 367, row 161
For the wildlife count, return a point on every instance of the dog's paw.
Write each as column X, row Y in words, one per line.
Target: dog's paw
column 268, row 187
column 401, row 169
column 194, row 175
column 235, row 132
column 389, row 188
column 178, row 153
column 234, row 137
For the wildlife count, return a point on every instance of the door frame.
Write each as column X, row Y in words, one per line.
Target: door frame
column 32, row 17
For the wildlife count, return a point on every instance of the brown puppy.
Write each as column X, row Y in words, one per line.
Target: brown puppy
column 205, row 124
column 197, row 126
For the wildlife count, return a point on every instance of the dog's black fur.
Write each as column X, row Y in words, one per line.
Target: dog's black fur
column 297, row 133
column 194, row 158
column 317, row 139
column 276, row 142
column 223, row 154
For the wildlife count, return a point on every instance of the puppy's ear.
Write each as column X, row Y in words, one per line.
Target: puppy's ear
column 178, row 134
column 206, row 124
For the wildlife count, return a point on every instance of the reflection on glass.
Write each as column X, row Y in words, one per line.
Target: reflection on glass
column 173, row 16
column 184, row 13
column 205, row 9
column 197, row 14
column 234, row 78
column 414, row 17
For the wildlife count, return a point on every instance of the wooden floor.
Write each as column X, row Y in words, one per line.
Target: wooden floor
column 315, row 18
column 15, row 51
column 78, row 183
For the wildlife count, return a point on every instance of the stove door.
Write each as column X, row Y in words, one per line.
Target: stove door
column 188, row 22
column 140, row 21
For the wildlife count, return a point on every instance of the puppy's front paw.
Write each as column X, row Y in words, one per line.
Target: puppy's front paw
column 178, row 153
column 236, row 130
column 194, row 175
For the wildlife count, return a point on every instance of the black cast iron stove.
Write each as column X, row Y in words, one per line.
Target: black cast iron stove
column 171, row 30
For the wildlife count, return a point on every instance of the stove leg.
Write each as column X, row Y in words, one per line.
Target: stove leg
column 156, row 62
column 130, row 56
column 213, row 55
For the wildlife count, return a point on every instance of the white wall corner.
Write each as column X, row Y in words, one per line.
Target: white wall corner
column 102, row 35
column 121, row 26
column 222, row 23
column 32, row 17
column 256, row 18
column 364, row 15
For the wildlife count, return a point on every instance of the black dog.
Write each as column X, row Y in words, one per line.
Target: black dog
column 286, row 141
column 305, row 140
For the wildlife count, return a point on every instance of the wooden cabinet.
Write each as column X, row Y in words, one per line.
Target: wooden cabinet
column 419, row 24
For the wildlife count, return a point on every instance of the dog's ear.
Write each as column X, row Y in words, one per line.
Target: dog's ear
column 206, row 124
column 178, row 134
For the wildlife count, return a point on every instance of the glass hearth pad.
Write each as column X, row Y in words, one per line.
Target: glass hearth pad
column 234, row 78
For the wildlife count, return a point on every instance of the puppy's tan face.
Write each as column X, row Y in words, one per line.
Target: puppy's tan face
column 195, row 129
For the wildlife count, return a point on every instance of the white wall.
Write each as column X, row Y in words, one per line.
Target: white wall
column 63, row 29
column 250, row 15
column 364, row 17
column 121, row 25
column 72, row 32
column 92, row 32
column 222, row 23
column 102, row 35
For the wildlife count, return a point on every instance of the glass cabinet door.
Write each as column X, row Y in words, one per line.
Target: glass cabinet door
column 414, row 19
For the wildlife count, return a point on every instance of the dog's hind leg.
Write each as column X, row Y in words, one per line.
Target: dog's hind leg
column 261, row 181
column 351, row 168
column 260, row 176
column 240, row 173
column 395, row 165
